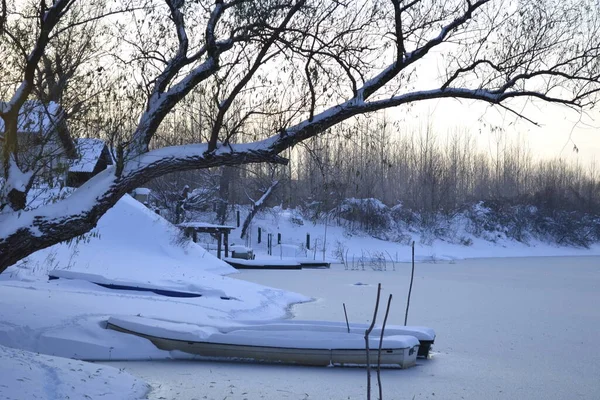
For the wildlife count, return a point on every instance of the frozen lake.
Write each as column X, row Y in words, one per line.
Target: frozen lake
column 511, row 328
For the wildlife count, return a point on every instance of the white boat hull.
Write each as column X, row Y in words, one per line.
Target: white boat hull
column 398, row 357
column 425, row 335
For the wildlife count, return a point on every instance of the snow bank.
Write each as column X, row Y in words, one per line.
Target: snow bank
column 130, row 246
column 332, row 242
column 27, row 375
column 130, row 242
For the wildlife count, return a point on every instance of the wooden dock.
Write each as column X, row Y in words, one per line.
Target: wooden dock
column 239, row 263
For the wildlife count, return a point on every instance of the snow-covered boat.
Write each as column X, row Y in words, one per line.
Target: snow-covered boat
column 425, row 335
column 273, row 343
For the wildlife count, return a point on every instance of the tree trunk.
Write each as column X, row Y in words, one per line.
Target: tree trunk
column 256, row 207
column 224, row 181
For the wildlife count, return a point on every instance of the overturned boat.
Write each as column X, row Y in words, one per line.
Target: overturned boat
column 314, row 344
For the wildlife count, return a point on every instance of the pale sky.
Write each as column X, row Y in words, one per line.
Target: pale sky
column 560, row 127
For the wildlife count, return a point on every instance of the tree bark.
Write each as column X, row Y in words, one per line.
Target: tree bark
column 224, row 182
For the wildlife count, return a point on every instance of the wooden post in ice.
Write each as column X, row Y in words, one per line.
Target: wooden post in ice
column 346, row 315
column 270, row 244
column 367, row 333
column 387, row 312
column 412, row 277
column 219, row 246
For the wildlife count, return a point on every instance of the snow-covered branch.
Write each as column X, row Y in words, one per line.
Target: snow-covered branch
column 404, row 59
column 317, row 51
column 258, row 61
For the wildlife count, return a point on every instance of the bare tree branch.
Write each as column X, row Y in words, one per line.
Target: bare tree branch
column 297, row 64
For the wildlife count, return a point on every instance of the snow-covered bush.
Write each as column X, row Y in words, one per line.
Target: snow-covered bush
column 296, row 217
column 369, row 215
column 567, row 228
column 403, row 216
column 493, row 220
column 312, row 211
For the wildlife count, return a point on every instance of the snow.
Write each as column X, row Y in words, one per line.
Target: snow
column 198, row 224
column 265, row 262
column 132, row 238
column 80, row 201
column 519, row 328
column 507, row 328
column 36, row 117
column 270, row 335
column 89, row 151
column 27, row 375
column 165, row 329
column 361, row 248
column 164, row 153
column 301, row 340
column 17, row 179
column 240, row 249
column 101, row 280
column 266, row 195
column 142, row 191
column 131, row 245
column 420, row 332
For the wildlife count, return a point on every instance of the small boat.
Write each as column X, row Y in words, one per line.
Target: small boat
column 425, row 335
column 317, row 347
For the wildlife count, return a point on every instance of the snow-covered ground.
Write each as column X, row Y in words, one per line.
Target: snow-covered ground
column 27, row 375
column 66, row 317
column 503, row 318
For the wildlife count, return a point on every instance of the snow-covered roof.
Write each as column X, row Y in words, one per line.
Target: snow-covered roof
column 203, row 225
column 89, row 151
column 37, row 117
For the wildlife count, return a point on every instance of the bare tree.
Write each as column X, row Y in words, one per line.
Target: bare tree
column 267, row 191
column 312, row 63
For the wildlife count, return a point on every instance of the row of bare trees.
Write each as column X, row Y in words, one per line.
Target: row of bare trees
column 429, row 172
column 434, row 170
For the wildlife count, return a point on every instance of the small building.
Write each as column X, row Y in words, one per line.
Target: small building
column 142, row 195
column 43, row 137
column 93, row 156
column 46, row 145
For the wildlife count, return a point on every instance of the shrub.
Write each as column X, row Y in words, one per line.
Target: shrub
column 370, row 215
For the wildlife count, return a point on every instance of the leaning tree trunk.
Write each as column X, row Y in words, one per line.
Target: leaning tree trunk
column 256, row 207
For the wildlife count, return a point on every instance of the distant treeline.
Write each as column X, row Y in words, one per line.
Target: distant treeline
column 372, row 176
column 435, row 172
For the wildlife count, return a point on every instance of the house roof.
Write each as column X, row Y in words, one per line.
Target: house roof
column 37, row 117
column 89, row 151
